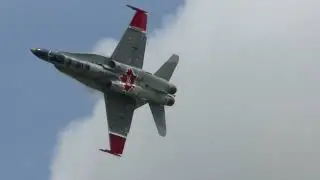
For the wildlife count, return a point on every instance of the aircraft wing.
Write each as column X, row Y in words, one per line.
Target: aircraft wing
column 119, row 110
column 131, row 47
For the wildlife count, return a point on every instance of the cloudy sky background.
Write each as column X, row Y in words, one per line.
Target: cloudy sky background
column 37, row 102
column 247, row 104
column 247, row 107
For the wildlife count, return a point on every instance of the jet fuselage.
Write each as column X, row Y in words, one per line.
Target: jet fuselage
column 110, row 75
column 121, row 79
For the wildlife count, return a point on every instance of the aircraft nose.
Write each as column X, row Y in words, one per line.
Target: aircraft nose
column 40, row 53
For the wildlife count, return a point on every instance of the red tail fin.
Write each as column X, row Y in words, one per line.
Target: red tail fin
column 139, row 19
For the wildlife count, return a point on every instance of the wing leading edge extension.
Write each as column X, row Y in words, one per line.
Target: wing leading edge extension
column 131, row 47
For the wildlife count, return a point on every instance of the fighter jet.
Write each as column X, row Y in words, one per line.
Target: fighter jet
column 120, row 77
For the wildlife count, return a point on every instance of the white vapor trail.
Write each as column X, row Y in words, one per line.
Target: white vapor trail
column 247, row 104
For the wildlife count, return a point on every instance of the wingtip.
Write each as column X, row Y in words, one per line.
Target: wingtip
column 140, row 18
column 136, row 8
column 108, row 151
column 117, row 144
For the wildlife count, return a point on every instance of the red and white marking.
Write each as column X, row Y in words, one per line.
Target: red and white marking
column 117, row 143
column 139, row 20
column 128, row 79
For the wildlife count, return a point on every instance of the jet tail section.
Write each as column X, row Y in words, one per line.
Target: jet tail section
column 158, row 113
column 167, row 69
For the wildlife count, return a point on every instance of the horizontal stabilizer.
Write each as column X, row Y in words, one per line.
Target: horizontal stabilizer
column 158, row 114
column 116, row 145
column 167, row 69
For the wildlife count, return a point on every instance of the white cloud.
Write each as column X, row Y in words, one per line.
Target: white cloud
column 247, row 103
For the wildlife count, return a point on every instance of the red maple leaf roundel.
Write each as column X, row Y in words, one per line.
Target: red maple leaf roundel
column 128, row 79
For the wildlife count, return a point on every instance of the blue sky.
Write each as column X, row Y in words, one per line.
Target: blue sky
column 36, row 100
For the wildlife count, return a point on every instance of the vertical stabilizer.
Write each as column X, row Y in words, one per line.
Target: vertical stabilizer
column 159, row 117
column 167, row 69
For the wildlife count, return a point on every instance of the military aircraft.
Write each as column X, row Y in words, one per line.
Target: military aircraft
column 120, row 77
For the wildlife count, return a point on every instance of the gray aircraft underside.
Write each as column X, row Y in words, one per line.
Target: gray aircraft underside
column 121, row 79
